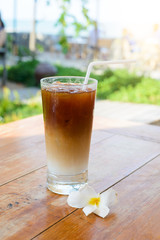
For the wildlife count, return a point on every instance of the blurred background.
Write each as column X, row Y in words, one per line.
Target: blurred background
column 41, row 38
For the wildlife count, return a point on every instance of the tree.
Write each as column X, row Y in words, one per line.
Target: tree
column 62, row 22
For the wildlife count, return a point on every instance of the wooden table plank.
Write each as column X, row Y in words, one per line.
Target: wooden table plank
column 118, row 156
column 135, row 216
column 27, row 207
column 22, row 149
column 131, row 129
column 27, row 135
column 21, row 158
column 12, row 132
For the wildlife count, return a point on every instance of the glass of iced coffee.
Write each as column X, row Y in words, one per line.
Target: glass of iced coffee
column 68, row 106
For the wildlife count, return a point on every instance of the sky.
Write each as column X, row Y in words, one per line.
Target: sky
column 126, row 13
column 131, row 11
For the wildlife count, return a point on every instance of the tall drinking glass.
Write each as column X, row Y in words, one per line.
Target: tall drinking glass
column 68, row 106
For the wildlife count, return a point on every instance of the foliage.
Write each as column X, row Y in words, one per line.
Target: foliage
column 112, row 81
column 66, row 18
column 116, row 85
column 120, row 85
column 23, row 72
column 16, row 109
column 9, row 43
column 23, row 51
column 70, row 71
column 146, row 91
column 39, row 47
column 1, row 71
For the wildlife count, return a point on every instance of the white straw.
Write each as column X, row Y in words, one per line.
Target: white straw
column 90, row 66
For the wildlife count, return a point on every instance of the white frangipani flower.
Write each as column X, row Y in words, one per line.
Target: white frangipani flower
column 90, row 201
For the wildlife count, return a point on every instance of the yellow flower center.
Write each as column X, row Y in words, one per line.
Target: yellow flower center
column 94, row 201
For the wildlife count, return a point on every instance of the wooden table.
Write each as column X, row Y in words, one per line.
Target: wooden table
column 124, row 155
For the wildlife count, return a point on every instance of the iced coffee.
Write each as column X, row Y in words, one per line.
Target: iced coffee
column 68, row 114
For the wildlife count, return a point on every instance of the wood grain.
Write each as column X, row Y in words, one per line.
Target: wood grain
column 22, row 147
column 11, row 132
column 135, row 216
column 22, row 157
column 116, row 157
column 118, row 149
column 28, row 208
column 126, row 128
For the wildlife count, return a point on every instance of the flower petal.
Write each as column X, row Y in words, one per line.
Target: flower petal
column 89, row 209
column 108, row 198
column 102, row 211
column 81, row 197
